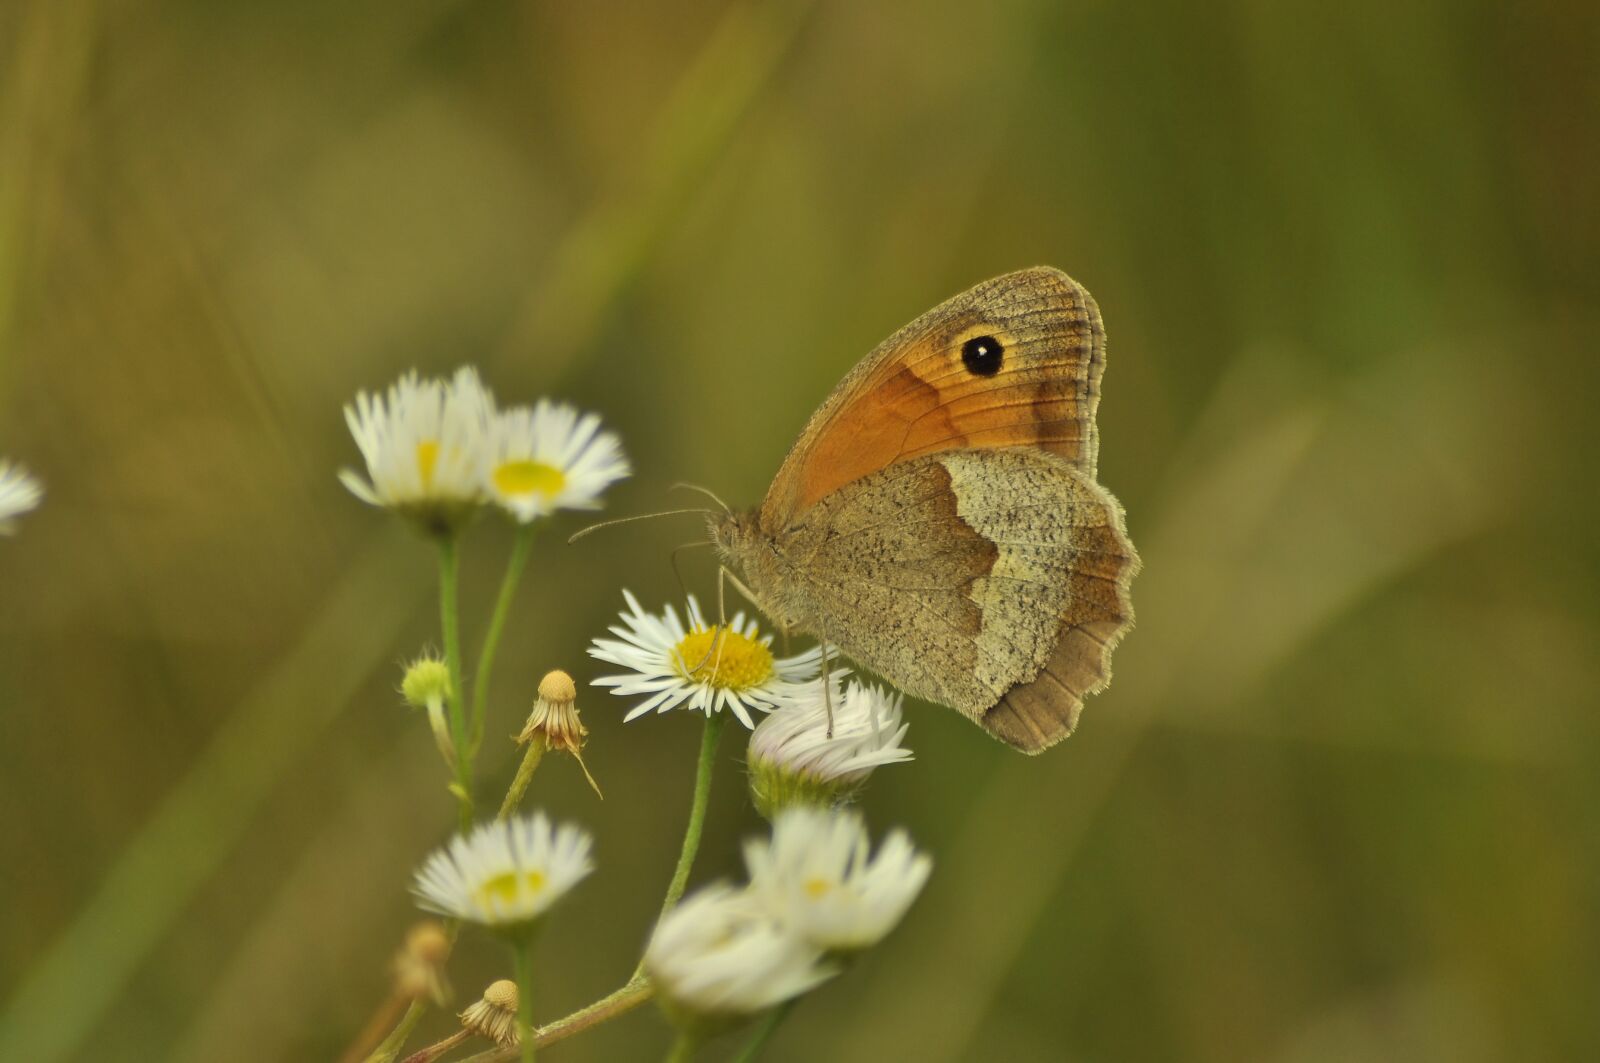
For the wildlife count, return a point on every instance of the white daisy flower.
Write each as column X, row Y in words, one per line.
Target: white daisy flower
column 548, row 457
column 675, row 665
column 817, row 877
column 19, row 494
column 793, row 760
column 426, row 445
column 504, row 874
column 720, row 954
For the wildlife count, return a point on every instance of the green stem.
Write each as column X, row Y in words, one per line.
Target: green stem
column 683, row 1048
column 525, row 770
column 439, row 1049
column 524, row 964
column 521, row 547
column 449, row 621
column 618, row 1002
column 697, row 810
column 758, row 1040
column 697, row 816
column 389, row 1049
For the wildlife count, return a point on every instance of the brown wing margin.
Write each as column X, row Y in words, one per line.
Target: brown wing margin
column 1033, row 716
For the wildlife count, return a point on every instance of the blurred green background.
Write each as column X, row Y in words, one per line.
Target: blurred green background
column 1339, row 804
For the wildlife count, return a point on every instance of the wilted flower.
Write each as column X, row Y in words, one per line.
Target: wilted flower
column 419, row 966
column 495, row 1015
column 554, row 722
column 554, row 718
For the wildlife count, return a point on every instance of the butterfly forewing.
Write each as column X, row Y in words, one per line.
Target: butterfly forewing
column 1013, row 362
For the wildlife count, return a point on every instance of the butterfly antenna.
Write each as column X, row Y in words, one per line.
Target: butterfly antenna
column 678, row 572
column 703, row 490
column 579, row 534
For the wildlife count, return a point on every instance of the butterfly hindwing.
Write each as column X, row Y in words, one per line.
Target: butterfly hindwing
column 965, row 577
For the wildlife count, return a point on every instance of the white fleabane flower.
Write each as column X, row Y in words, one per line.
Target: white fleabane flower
column 19, row 493
column 719, row 954
column 672, row 664
column 504, row 874
column 794, row 761
column 549, row 457
column 425, row 444
column 817, row 876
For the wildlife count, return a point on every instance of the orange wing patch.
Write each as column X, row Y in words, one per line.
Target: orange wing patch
column 1013, row 362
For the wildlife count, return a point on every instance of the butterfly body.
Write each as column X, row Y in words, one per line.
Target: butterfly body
column 939, row 520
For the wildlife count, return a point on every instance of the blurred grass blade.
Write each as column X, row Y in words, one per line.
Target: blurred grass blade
column 44, row 71
column 63, row 997
column 601, row 254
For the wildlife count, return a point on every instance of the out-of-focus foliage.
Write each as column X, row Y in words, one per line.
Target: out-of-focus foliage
column 1339, row 804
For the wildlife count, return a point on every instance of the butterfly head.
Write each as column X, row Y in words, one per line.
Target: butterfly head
column 755, row 557
column 736, row 535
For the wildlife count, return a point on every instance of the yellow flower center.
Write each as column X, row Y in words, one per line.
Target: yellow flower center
column 817, row 888
column 528, row 477
column 504, row 887
column 427, row 458
column 733, row 662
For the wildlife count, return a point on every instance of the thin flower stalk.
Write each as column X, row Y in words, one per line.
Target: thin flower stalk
column 758, row 1041
column 449, row 621
column 709, row 737
column 619, row 1002
column 523, row 951
column 684, row 1047
column 439, row 1049
column 519, row 785
column 521, row 549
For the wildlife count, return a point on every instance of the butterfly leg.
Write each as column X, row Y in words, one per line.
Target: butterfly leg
column 750, row 596
column 722, row 626
column 722, row 616
column 678, row 572
column 724, row 577
column 827, row 688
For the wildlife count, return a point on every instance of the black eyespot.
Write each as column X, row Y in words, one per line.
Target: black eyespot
column 982, row 355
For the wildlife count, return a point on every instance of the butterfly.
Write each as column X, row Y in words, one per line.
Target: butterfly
column 939, row 520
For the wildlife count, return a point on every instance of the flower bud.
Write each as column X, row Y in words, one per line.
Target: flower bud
column 426, row 685
column 427, row 680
